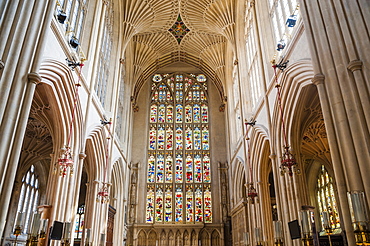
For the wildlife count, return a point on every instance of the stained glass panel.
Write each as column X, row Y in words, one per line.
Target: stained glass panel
column 197, row 169
column 189, row 138
column 198, row 204
column 178, row 168
column 179, row 138
column 207, row 205
column 169, row 163
column 179, row 180
column 151, row 168
column 189, row 204
column 196, row 112
column 188, row 114
column 160, row 168
column 169, row 114
column 206, row 169
column 159, row 204
column 178, row 202
column 161, row 113
column 326, row 197
column 169, row 139
column 150, row 204
column 197, row 139
column 168, row 203
column 205, row 138
column 189, row 169
column 204, row 113
column 160, row 138
column 153, row 114
column 178, row 113
column 152, row 138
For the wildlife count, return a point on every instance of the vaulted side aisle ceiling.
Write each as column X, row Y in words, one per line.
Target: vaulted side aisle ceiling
column 209, row 23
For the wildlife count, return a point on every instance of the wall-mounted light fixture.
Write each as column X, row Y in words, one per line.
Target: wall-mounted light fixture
column 61, row 16
column 74, row 42
column 280, row 45
column 291, row 21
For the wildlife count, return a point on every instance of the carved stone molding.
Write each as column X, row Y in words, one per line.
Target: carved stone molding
column 354, row 65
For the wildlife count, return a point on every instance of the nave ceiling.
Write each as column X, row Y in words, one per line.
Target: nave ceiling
column 146, row 24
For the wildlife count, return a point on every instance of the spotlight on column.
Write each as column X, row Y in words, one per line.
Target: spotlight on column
column 291, row 21
column 61, row 16
column 280, row 45
column 74, row 42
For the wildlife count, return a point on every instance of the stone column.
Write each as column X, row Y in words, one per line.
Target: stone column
column 338, row 48
column 20, row 54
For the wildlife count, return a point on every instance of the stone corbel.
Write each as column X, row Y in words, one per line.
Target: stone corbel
column 318, row 79
column 34, row 78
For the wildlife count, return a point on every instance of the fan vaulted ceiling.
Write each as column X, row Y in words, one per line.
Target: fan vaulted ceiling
column 146, row 23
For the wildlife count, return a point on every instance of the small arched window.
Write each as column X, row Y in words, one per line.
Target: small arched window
column 29, row 197
column 326, row 198
column 80, row 221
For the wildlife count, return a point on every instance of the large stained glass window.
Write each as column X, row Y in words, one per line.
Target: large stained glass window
column 326, row 198
column 179, row 166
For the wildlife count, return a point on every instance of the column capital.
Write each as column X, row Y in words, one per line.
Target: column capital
column 318, row 79
column 82, row 155
column 354, row 65
column 34, row 78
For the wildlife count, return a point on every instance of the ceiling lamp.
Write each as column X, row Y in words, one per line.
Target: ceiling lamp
column 65, row 159
column 252, row 195
column 103, row 194
column 288, row 162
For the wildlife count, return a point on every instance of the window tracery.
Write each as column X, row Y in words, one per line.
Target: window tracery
column 105, row 55
column 179, row 169
column 253, row 62
column 29, row 197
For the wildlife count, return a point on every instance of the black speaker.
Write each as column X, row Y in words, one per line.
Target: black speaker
column 56, row 231
column 294, row 229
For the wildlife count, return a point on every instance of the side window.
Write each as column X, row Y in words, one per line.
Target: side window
column 29, row 197
column 326, row 198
